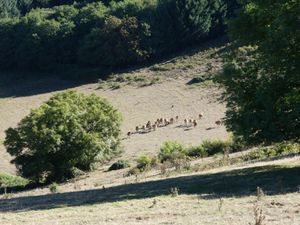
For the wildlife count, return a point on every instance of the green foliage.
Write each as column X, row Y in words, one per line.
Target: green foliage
column 280, row 149
column 52, row 34
column 121, row 38
column 212, row 147
column 53, row 188
column 144, row 163
column 171, row 150
column 262, row 77
column 190, row 20
column 68, row 131
column 196, row 152
column 7, row 180
column 120, row 164
column 8, row 8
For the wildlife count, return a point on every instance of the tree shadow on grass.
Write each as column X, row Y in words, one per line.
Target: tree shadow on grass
column 21, row 84
column 272, row 179
column 28, row 83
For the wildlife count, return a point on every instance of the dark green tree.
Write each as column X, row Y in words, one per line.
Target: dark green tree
column 68, row 132
column 8, row 8
column 119, row 42
column 262, row 76
column 190, row 20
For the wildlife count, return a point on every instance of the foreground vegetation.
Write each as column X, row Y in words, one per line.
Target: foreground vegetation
column 223, row 197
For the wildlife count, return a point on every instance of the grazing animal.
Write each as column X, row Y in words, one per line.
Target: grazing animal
column 148, row 125
column 143, row 127
column 200, row 115
column 195, row 123
column 137, row 128
column 167, row 122
column 190, row 121
column 218, row 122
column 172, row 120
column 129, row 134
column 154, row 126
column 185, row 122
column 176, row 118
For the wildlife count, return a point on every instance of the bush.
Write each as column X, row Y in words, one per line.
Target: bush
column 280, row 149
column 68, row 131
column 286, row 148
column 171, row 150
column 53, row 188
column 120, row 164
column 196, row 152
column 215, row 146
column 144, row 163
column 7, row 180
column 237, row 143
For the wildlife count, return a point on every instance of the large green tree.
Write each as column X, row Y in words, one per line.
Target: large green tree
column 262, row 76
column 68, row 132
column 8, row 8
column 119, row 42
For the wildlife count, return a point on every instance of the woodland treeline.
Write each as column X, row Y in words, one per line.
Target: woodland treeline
column 44, row 34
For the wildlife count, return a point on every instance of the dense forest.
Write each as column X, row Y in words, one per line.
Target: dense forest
column 45, row 34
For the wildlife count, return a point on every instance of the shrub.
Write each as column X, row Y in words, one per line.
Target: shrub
column 237, row 143
column 144, row 163
column 212, row 147
column 286, row 148
column 133, row 171
column 7, row 180
column 120, row 164
column 279, row 149
column 171, row 150
column 196, row 152
column 53, row 188
column 68, row 131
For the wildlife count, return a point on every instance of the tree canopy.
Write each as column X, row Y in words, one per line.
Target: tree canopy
column 48, row 34
column 68, row 132
column 262, row 76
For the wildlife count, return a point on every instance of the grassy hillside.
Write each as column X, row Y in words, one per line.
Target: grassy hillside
column 211, row 191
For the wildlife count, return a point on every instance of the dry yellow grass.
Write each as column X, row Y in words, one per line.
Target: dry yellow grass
column 184, row 209
column 137, row 104
column 110, row 198
column 150, row 201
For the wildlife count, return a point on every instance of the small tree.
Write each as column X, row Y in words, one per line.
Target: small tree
column 69, row 132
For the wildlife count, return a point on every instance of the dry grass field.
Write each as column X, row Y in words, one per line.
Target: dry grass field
column 225, row 195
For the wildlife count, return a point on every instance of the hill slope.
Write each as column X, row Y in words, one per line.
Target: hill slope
column 168, row 97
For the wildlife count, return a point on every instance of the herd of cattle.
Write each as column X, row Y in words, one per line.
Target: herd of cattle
column 163, row 122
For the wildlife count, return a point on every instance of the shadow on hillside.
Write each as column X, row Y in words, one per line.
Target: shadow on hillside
column 17, row 85
column 272, row 179
column 22, row 83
